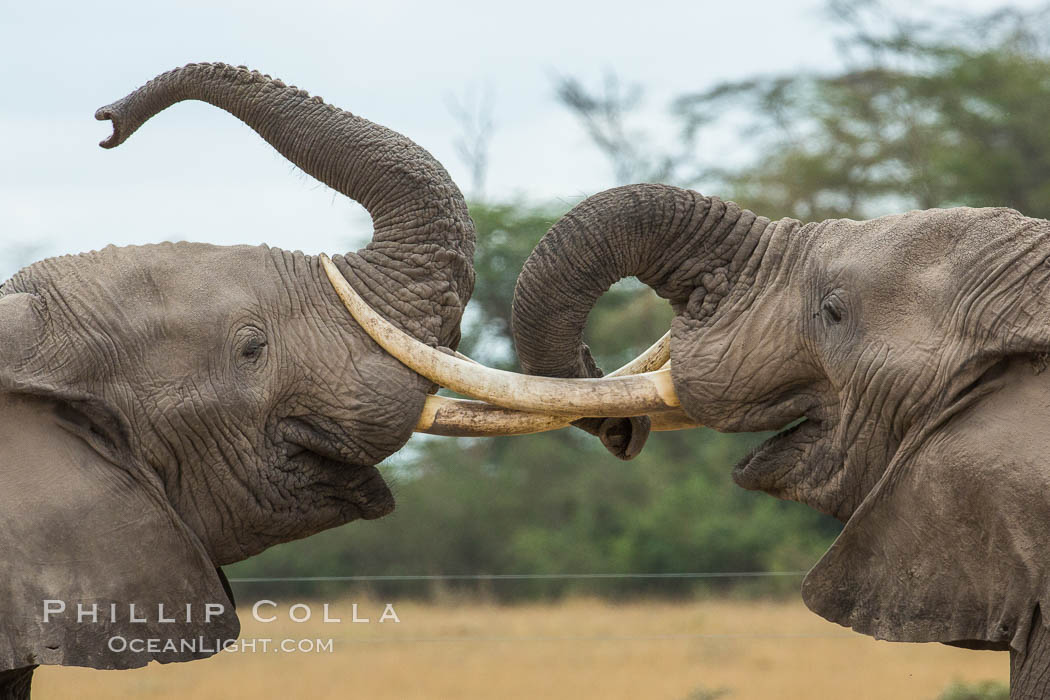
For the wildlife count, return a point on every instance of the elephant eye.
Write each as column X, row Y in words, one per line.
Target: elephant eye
column 253, row 349
column 832, row 309
column 251, row 346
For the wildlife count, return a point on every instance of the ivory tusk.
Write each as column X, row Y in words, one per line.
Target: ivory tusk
column 465, row 418
column 657, row 356
column 672, row 420
column 623, row 396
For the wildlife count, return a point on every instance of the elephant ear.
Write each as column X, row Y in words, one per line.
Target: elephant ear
column 83, row 537
column 951, row 544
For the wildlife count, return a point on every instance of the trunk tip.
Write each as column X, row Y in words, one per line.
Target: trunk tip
column 624, row 438
column 109, row 112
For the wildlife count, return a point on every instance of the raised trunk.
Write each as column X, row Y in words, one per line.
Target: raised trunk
column 674, row 240
column 424, row 238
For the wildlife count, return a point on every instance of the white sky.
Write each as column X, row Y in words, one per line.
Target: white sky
column 194, row 172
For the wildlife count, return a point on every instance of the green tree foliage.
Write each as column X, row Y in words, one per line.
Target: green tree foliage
column 932, row 113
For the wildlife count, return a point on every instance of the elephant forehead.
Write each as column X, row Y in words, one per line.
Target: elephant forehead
column 159, row 306
column 956, row 238
column 183, row 274
column 178, row 286
column 926, row 261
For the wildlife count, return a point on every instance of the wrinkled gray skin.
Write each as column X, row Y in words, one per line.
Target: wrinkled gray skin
column 914, row 345
column 168, row 409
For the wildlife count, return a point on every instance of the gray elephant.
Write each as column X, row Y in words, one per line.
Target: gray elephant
column 166, row 410
column 914, row 348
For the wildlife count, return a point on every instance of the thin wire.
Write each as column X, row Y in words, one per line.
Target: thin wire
column 614, row 638
column 517, row 577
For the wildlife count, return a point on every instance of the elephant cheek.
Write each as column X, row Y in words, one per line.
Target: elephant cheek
column 735, row 379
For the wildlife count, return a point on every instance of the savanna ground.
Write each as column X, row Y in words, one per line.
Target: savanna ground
column 581, row 648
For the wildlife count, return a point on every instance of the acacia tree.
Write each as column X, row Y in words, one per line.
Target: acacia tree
column 926, row 112
column 608, row 116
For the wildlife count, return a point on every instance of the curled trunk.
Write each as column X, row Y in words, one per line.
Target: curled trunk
column 687, row 247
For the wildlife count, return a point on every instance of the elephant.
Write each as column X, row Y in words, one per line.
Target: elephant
column 902, row 360
column 169, row 409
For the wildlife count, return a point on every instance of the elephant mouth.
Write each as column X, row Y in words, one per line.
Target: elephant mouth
column 770, row 462
column 327, row 461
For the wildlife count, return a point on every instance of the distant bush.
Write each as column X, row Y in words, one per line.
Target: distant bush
column 708, row 694
column 984, row 690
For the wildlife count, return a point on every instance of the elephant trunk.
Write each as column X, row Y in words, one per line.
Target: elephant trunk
column 674, row 240
column 424, row 237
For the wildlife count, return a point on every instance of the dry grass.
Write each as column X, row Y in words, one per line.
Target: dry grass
column 575, row 649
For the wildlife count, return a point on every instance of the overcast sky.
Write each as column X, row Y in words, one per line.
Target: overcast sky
column 196, row 173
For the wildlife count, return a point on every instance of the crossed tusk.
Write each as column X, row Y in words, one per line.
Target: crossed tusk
column 451, row 417
column 511, row 403
column 465, row 418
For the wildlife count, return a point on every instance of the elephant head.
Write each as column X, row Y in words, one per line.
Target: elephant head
column 906, row 355
column 168, row 409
